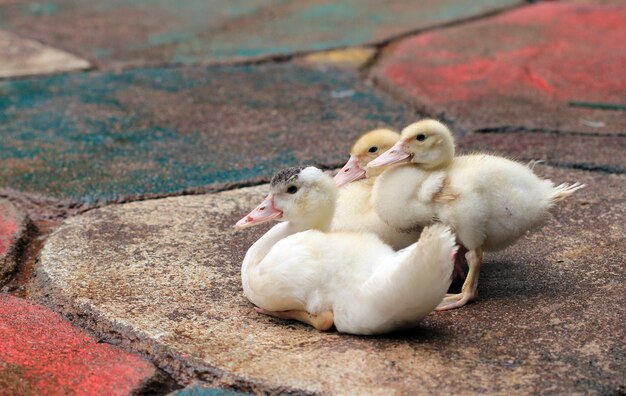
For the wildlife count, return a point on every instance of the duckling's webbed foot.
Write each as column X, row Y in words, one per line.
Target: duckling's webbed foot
column 470, row 287
column 321, row 321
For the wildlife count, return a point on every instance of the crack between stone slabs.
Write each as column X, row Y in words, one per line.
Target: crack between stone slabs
column 14, row 282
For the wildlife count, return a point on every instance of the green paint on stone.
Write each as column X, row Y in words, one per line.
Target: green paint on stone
column 199, row 30
column 99, row 137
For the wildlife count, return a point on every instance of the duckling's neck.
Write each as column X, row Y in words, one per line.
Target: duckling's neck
column 319, row 220
column 439, row 165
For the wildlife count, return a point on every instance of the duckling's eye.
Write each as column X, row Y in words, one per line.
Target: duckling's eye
column 292, row 189
column 373, row 149
column 420, row 138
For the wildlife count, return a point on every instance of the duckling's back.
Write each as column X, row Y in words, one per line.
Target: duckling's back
column 508, row 196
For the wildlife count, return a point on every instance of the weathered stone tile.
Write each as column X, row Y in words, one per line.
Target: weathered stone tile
column 99, row 137
column 168, row 31
column 533, row 67
column 600, row 153
column 165, row 274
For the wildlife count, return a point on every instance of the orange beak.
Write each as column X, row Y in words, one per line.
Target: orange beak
column 351, row 171
column 395, row 155
column 261, row 214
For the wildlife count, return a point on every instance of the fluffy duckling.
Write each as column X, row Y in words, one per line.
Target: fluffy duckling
column 489, row 201
column 298, row 270
column 354, row 210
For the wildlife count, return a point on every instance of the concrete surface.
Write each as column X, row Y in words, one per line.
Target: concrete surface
column 604, row 153
column 162, row 277
column 23, row 57
column 102, row 137
column 140, row 32
column 519, row 69
column 43, row 354
column 12, row 233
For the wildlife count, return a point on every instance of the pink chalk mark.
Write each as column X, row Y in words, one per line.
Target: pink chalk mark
column 59, row 359
column 569, row 51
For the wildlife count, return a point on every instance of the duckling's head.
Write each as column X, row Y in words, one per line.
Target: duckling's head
column 367, row 148
column 301, row 195
column 428, row 143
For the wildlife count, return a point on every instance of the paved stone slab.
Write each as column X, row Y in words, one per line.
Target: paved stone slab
column 42, row 353
column 166, row 31
column 12, row 230
column 162, row 276
column 95, row 137
column 521, row 68
column 600, row 153
column 22, row 57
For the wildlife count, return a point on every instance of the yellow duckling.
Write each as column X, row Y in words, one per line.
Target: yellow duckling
column 354, row 210
column 489, row 201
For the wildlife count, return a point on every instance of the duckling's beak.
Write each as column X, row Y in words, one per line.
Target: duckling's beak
column 351, row 171
column 395, row 155
column 261, row 214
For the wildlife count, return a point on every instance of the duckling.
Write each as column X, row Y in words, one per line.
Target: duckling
column 354, row 210
column 299, row 270
column 489, row 201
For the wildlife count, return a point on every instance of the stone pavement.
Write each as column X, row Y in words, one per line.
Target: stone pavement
column 153, row 101
column 534, row 67
column 193, row 31
column 162, row 277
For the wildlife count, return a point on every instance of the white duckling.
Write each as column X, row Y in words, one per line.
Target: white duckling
column 298, row 270
column 489, row 201
column 354, row 210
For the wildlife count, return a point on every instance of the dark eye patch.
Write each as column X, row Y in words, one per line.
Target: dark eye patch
column 420, row 138
column 373, row 149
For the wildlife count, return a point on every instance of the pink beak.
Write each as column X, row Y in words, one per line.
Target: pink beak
column 394, row 155
column 261, row 214
column 351, row 171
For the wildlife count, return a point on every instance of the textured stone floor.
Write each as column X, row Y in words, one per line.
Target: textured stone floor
column 533, row 67
column 170, row 31
column 113, row 112
column 163, row 276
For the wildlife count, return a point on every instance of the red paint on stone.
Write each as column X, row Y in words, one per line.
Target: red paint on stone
column 55, row 358
column 554, row 51
column 8, row 228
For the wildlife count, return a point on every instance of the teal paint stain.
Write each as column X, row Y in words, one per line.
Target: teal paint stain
column 39, row 9
column 101, row 52
column 99, row 137
column 169, row 38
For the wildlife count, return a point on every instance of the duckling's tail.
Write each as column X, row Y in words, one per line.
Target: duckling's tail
column 563, row 191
